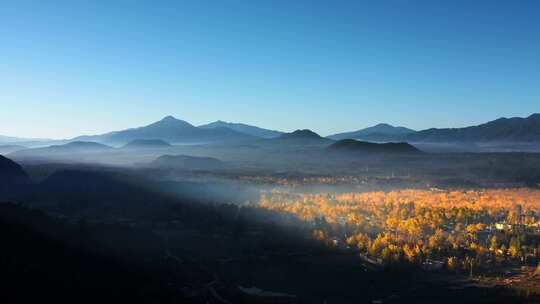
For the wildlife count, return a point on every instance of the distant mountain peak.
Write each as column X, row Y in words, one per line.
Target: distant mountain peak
column 169, row 118
column 171, row 130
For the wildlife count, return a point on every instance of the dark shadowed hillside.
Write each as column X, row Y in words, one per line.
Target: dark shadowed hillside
column 67, row 263
column 13, row 179
column 11, row 172
column 92, row 191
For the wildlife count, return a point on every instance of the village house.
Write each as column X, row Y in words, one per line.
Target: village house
column 503, row 226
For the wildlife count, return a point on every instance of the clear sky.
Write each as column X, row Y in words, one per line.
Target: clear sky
column 86, row 67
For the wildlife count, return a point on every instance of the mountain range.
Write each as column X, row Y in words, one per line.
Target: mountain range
column 172, row 130
column 514, row 129
column 509, row 130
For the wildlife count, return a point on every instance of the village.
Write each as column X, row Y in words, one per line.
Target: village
column 470, row 231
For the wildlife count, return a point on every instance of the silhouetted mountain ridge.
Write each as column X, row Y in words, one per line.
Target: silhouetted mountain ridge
column 381, row 130
column 301, row 134
column 355, row 146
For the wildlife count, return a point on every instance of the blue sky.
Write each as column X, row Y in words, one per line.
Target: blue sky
column 86, row 67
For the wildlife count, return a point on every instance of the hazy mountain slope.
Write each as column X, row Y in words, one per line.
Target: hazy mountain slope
column 4, row 149
column 187, row 162
column 68, row 152
column 379, row 131
column 72, row 147
column 502, row 130
column 147, row 144
column 243, row 128
column 11, row 139
column 171, row 130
